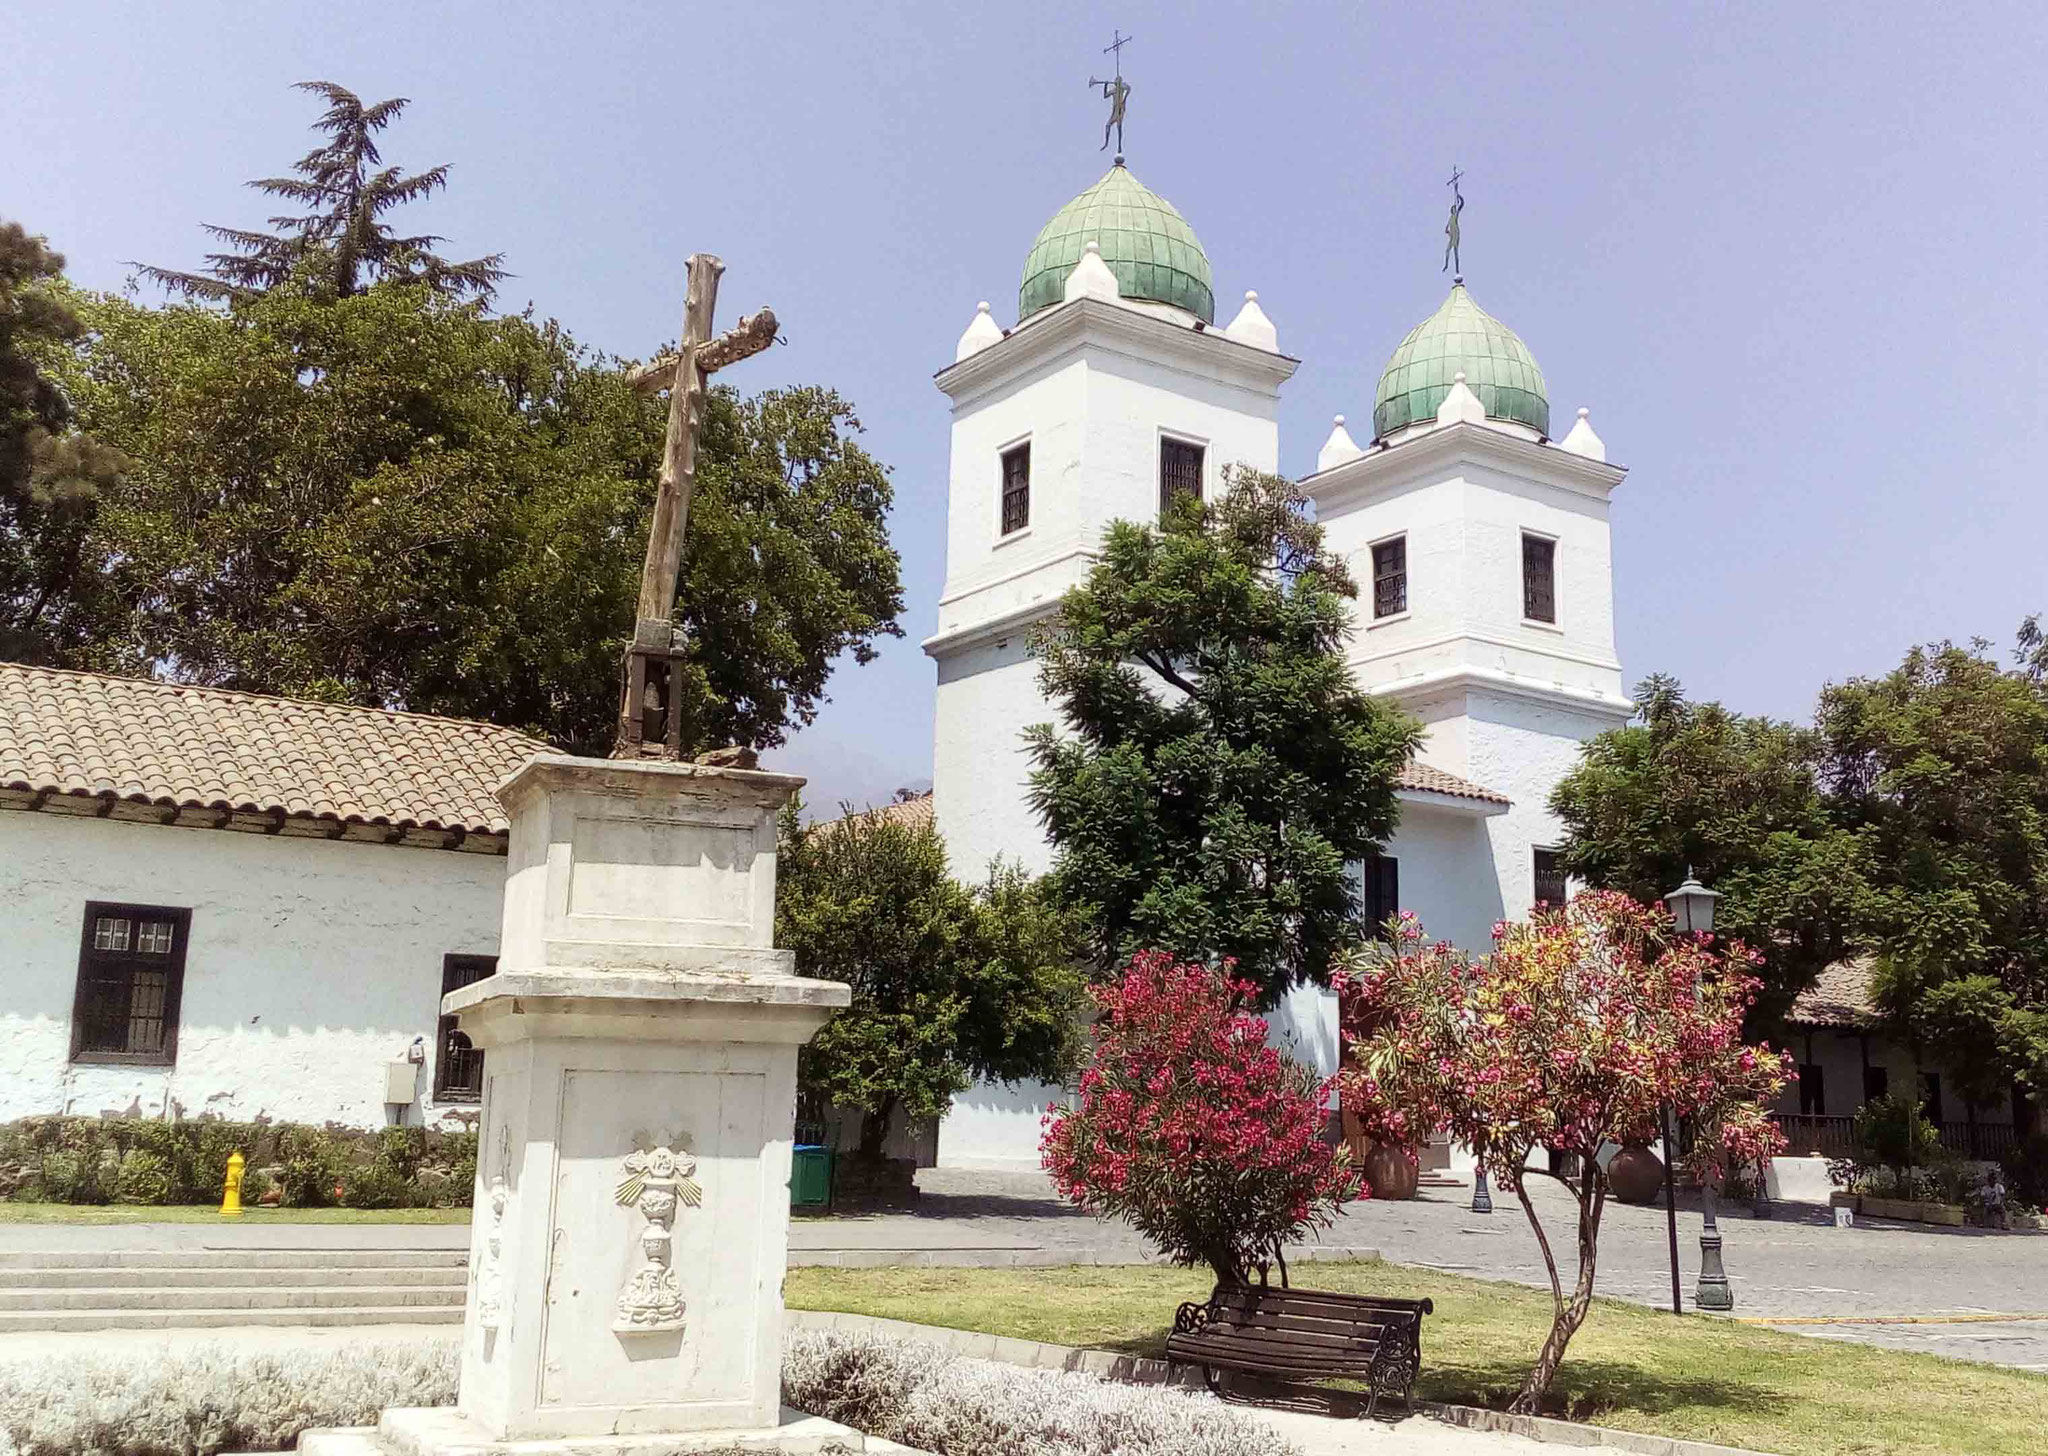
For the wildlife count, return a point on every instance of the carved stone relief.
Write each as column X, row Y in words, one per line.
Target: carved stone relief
column 657, row 1181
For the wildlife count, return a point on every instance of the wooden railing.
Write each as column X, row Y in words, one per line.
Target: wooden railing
column 1811, row 1136
column 1808, row 1135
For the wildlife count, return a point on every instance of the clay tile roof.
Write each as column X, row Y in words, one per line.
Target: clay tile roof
column 913, row 813
column 1839, row 996
column 90, row 735
column 1424, row 779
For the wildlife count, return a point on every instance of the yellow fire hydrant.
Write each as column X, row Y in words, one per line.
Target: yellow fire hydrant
column 231, row 1196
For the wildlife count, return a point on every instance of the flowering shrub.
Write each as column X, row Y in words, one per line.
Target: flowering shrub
column 1191, row 1127
column 1574, row 1034
column 953, row 1405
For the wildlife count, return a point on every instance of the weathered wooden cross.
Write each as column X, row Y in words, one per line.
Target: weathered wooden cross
column 650, row 716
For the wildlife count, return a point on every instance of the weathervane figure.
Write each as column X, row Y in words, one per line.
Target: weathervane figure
column 1451, row 227
column 1116, row 92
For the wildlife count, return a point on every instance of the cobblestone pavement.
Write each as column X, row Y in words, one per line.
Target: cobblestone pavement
column 1795, row 1265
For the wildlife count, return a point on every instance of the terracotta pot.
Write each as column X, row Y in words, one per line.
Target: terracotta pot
column 1636, row 1174
column 1389, row 1171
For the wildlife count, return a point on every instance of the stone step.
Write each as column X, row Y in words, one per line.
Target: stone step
column 233, row 1258
column 293, row 1297
column 450, row 1275
column 214, row 1318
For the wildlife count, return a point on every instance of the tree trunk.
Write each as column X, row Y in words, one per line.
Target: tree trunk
column 874, row 1130
column 1570, row 1314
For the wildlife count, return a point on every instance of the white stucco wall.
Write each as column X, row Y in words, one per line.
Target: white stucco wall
column 310, row 965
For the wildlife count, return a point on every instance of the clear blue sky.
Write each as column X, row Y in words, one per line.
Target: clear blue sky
column 1791, row 255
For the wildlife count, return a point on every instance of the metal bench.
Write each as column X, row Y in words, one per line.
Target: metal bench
column 1303, row 1334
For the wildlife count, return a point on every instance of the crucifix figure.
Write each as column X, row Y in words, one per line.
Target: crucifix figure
column 1451, row 227
column 650, row 713
column 1116, row 92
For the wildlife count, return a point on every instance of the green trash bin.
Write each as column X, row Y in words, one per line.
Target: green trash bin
column 810, row 1176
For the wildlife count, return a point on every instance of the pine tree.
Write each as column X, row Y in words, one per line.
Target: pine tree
column 341, row 244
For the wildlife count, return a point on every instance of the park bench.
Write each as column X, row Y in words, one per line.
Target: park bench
column 1303, row 1334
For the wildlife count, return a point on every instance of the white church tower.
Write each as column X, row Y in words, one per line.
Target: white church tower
column 1480, row 546
column 1486, row 602
column 1113, row 390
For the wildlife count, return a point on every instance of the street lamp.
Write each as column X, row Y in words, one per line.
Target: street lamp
column 1482, row 1200
column 1692, row 909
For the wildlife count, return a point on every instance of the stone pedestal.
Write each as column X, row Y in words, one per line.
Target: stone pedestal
column 640, row 1041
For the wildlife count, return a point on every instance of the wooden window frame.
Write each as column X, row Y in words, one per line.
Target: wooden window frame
column 445, row 1088
column 1548, row 546
column 1172, row 483
column 1398, row 575
column 1537, row 855
column 1004, row 529
column 174, row 982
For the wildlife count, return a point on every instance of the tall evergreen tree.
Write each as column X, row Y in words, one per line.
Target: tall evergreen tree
column 1222, row 773
column 340, row 244
column 53, row 479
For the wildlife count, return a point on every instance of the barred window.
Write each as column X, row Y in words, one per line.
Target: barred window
column 1380, row 900
column 131, row 974
column 1550, row 884
column 458, row 1066
column 1539, row 579
column 1180, row 472
column 1390, row 577
column 1016, row 489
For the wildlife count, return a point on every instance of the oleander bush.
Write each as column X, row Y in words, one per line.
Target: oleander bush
column 155, row 1161
column 951, row 1405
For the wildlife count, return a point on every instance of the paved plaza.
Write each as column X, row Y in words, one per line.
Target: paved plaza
column 1796, row 1266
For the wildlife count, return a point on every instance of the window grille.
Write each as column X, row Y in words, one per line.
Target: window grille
column 1180, row 472
column 131, row 974
column 1380, row 892
column 1390, row 577
column 458, row 1066
column 1550, row 881
column 1016, row 489
column 1539, row 579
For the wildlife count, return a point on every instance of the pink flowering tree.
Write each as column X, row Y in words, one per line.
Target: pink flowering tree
column 1571, row 1037
column 1207, row 1140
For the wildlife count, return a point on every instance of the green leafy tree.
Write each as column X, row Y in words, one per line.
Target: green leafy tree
column 1220, row 769
column 1942, row 765
column 53, row 478
column 392, row 498
column 949, row 984
column 340, row 243
column 1693, row 786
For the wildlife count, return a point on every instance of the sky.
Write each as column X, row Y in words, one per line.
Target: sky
column 1791, row 256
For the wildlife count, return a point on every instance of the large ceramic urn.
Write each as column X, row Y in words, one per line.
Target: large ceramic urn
column 1635, row 1174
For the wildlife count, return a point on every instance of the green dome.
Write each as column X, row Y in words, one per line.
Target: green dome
column 1149, row 246
column 1461, row 335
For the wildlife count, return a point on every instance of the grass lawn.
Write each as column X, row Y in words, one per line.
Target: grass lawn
column 93, row 1213
column 1629, row 1367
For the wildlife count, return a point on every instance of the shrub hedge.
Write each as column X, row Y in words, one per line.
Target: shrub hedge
column 162, row 1161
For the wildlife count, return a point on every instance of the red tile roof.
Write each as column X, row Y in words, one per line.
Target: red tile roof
column 93, row 736
column 1839, row 996
column 1421, row 778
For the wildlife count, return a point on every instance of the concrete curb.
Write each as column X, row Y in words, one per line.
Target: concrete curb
column 1140, row 1370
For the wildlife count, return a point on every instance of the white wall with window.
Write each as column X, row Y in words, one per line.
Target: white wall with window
column 164, row 970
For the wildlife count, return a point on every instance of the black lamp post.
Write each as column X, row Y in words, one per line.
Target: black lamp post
column 1692, row 908
column 1482, row 1199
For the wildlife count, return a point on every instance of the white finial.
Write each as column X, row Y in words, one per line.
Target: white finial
column 1339, row 448
column 1461, row 405
column 980, row 333
column 1582, row 440
column 1092, row 277
column 1251, row 326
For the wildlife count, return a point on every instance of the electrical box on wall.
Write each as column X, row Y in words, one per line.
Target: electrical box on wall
column 400, row 1080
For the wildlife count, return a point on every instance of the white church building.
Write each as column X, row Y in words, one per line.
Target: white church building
column 1481, row 545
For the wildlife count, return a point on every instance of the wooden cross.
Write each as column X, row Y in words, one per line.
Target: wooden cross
column 650, row 720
